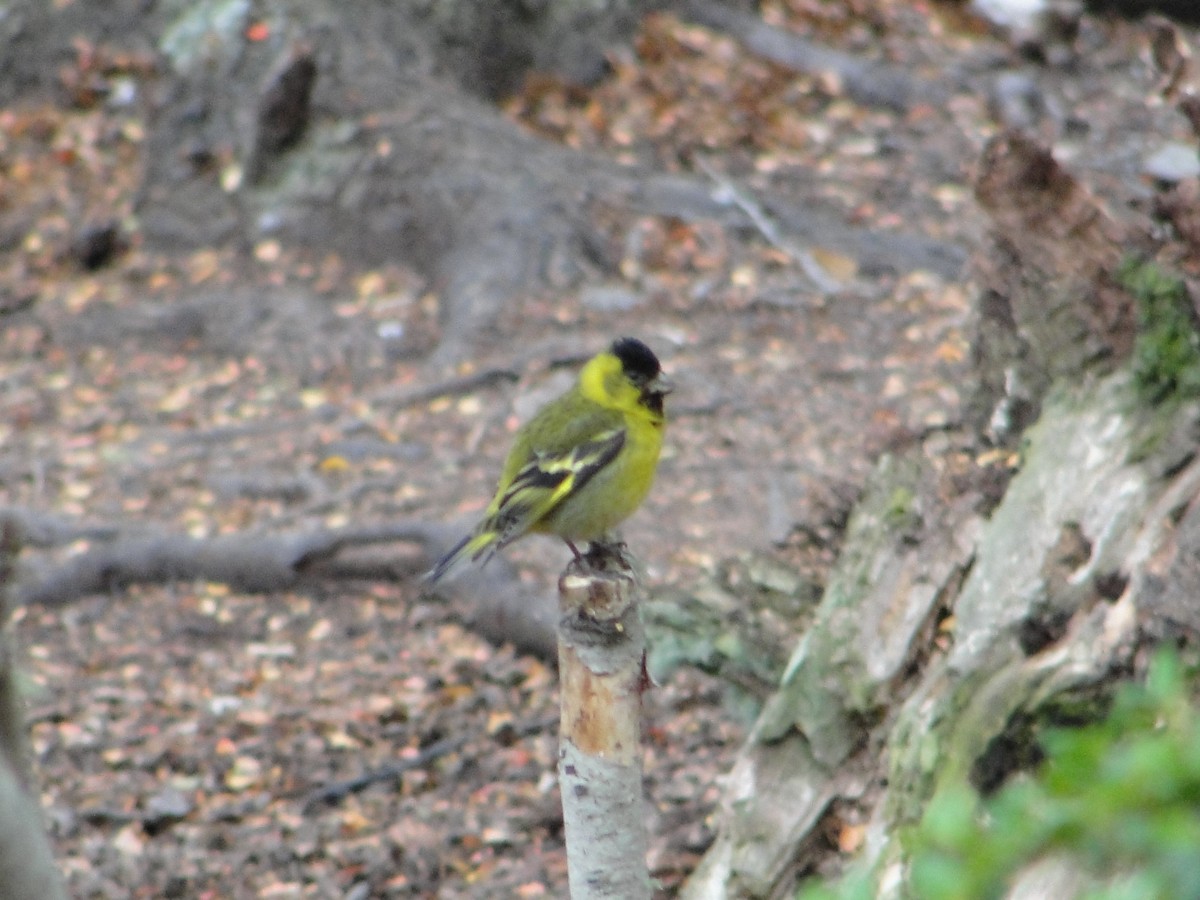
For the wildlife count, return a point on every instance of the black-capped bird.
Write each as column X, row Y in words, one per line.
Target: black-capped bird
column 582, row 464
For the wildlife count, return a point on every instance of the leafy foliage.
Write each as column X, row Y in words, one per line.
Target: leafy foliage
column 1119, row 798
column 1166, row 352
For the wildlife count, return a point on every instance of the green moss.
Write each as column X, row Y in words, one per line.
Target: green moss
column 1118, row 800
column 1166, row 351
column 899, row 508
column 1116, row 796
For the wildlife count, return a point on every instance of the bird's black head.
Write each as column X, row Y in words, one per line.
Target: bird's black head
column 641, row 366
column 638, row 360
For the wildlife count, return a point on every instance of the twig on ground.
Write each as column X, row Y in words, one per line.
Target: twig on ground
column 770, row 229
column 451, row 387
column 261, row 562
column 250, row 562
column 336, row 791
column 47, row 530
column 865, row 81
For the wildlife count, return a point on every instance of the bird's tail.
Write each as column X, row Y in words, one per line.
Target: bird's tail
column 476, row 547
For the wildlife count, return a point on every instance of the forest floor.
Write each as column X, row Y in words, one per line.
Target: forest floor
column 181, row 730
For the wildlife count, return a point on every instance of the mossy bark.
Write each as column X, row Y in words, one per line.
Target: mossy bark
column 951, row 626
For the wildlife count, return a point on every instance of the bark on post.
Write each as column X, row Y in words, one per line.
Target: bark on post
column 601, row 653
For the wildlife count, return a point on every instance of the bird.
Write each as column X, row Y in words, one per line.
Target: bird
column 582, row 465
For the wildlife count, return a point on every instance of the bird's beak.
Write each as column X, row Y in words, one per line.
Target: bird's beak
column 653, row 393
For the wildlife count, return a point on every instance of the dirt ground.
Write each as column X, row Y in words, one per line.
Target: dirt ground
column 181, row 730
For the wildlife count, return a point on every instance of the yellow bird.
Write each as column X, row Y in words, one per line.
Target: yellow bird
column 582, row 464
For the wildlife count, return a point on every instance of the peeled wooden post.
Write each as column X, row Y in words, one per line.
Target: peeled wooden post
column 601, row 658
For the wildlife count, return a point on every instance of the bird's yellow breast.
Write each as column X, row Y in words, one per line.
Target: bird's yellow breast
column 615, row 492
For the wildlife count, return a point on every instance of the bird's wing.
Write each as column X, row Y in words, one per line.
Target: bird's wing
column 548, row 478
